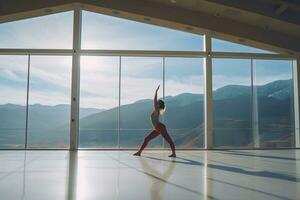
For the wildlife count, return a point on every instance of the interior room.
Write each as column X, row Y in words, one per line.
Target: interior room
column 149, row 99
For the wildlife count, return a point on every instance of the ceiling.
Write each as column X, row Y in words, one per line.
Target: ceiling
column 269, row 24
column 273, row 15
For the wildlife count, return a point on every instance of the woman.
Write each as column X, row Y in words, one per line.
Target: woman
column 159, row 128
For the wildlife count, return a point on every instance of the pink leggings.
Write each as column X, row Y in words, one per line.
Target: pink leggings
column 160, row 129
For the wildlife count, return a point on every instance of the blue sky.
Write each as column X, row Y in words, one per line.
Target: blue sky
column 51, row 75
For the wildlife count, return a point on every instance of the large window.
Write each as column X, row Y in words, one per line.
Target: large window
column 13, row 87
column 184, row 99
column 121, row 64
column 274, row 101
column 103, row 124
column 253, row 103
column 232, row 103
column 48, row 32
column 107, row 32
column 99, row 102
column 49, row 102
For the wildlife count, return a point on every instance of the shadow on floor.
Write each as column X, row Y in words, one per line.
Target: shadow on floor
column 250, row 189
column 257, row 155
column 265, row 174
column 236, row 170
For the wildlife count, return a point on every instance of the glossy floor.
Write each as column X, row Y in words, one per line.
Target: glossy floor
column 105, row 175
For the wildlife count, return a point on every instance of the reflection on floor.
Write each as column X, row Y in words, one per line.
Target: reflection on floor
column 105, row 175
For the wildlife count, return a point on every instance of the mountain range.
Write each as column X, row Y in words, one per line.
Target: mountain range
column 234, row 121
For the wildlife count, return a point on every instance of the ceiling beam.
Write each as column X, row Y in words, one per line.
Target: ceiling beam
column 281, row 9
column 265, row 8
column 169, row 16
column 206, row 22
column 15, row 10
column 8, row 7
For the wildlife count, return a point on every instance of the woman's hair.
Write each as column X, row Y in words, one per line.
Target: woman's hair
column 162, row 106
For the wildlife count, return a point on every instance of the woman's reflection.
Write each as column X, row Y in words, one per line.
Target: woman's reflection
column 158, row 179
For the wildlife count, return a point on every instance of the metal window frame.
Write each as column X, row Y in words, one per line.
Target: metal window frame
column 164, row 91
column 208, row 95
column 75, row 88
column 27, row 101
column 119, row 100
column 254, row 108
column 296, row 78
column 143, row 53
column 207, row 54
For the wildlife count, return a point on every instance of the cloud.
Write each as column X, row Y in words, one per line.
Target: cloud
column 50, row 80
column 11, row 75
column 191, row 84
column 50, row 76
column 102, row 91
column 106, row 32
column 51, row 70
column 49, row 97
column 14, row 63
column 18, row 96
column 51, row 31
column 10, row 94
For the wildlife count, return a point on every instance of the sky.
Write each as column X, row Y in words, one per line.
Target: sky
column 50, row 76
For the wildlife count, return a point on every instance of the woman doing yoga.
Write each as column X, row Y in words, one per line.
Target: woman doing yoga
column 159, row 128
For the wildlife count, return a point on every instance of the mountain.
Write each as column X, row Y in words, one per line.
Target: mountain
column 231, row 91
column 47, row 125
column 184, row 99
column 41, row 116
column 232, row 111
column 280, row 89
column 232, row 108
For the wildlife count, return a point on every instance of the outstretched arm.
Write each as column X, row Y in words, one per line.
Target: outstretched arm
column 155, row 97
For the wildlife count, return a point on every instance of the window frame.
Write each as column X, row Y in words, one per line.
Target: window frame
column 207, row 54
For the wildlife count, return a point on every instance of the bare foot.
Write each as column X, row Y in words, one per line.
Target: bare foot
column 137, row 154
column 173, row 155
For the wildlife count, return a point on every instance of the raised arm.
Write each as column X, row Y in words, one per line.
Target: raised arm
column 155, row 97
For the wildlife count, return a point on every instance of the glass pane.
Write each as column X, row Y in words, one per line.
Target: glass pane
column 99, row 91
column 107, row 32
column 232, row 103
column 184, row 101
column 47, row 32
column 140, row 77
column 13, row 87
column 226, row 46
column 273, row 81
column 49, row 102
